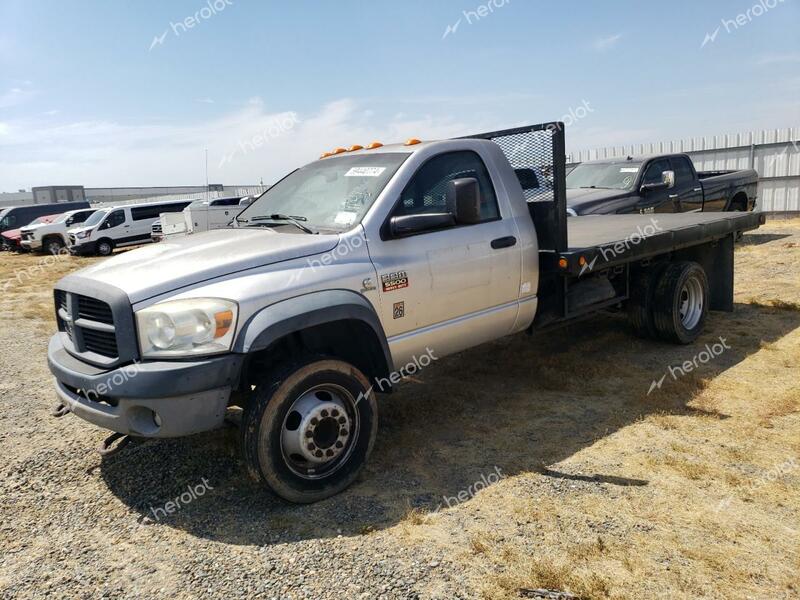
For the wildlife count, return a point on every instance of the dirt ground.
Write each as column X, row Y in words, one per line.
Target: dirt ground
column 552, row 463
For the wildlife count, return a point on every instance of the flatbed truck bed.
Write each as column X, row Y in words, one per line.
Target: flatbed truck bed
column 611, row 240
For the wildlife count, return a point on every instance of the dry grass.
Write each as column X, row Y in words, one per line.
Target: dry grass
column 688, row 492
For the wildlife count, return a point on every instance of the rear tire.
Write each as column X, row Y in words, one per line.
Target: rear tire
column 640, row 304
column 680, row 303
column 308, row 429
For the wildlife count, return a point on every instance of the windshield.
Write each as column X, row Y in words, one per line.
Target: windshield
column 332, row 194
column 38, row 221
column 95, row 218
column 610, row 176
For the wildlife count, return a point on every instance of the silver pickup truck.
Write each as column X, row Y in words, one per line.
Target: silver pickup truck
column 353, row 271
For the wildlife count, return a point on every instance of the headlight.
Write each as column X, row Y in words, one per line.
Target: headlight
column 177, row 328
column 82, row 235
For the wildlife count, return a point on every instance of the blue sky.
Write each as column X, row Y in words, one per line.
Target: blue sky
column 124, row 93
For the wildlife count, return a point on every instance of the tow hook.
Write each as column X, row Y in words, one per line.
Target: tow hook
column 59, row 410
column 114, row 443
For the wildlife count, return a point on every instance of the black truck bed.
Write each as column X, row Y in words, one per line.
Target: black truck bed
column 610, row 240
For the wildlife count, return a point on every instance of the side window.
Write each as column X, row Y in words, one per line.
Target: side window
column 683, row 170
column 115, row 219
column 653, row 173
column 78, row 218
column 147, row 212
column 427, row 190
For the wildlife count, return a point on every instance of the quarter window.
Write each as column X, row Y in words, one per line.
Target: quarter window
column 426, row 193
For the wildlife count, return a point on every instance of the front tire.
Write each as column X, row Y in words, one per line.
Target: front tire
column 309, row 428
column 53, row 246
column 105, row 247
column 680, row 307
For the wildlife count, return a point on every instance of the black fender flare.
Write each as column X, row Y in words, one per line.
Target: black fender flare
column 309, row 310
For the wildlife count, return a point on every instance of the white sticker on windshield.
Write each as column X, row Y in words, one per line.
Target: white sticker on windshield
column 365, row 172
column 345, row 218
column 629, row 170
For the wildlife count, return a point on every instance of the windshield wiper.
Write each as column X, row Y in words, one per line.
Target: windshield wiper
column 296, row 221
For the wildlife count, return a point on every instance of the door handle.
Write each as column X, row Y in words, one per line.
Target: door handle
column 673, row 196
column 504, row 242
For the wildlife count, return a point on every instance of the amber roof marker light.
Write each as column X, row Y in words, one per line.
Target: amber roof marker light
column 412, row 142
column 374, row 145
column 355, row 147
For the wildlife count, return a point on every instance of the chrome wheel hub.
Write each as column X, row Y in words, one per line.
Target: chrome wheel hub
column 317, row 429
column 691, row 303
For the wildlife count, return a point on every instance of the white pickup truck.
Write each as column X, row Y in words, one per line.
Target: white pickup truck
column 346, row 273
column 52, row 237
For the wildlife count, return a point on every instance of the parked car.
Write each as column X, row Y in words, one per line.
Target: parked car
column 52, row 237
column 662, row 183
column 12, row 238
column 18, row 216
column 119, row 226
column 352, row 272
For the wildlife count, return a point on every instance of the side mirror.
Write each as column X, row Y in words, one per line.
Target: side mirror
column 667, row 183
column 404, row 225
column 464, row 199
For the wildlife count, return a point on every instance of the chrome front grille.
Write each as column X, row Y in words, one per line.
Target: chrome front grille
column 88, row 323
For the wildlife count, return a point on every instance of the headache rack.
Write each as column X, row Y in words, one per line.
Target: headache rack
column 538, row 156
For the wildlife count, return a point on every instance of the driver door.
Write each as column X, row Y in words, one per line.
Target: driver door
column 662, row 200
column 455, row 286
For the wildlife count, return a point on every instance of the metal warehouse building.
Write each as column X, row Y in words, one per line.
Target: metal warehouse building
column 774, row 153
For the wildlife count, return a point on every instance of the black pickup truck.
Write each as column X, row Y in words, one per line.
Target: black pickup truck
column 663, row 183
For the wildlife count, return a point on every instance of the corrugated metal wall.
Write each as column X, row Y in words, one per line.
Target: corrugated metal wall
column 774, row 153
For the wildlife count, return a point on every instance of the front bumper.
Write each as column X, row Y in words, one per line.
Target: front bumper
column 33, row 244
column 149, row 399
column 83, row 249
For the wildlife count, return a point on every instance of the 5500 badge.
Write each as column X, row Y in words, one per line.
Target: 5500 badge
column 394, row 281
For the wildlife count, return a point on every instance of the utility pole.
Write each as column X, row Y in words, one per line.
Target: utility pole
column 207, row 195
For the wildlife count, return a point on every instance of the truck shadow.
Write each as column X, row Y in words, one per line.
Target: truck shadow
column 513, row 406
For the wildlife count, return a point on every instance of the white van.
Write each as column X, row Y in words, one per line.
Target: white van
column 206, row 215
column 119, row 226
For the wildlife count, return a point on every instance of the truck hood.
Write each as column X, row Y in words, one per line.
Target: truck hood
column 12, row 234
column 587, row 201
column 176, row 263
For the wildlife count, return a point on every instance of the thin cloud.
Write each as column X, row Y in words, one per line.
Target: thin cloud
column 777, row 59
column 205, row 100
column 109, row 153
column 14, row 97
column 604, row 43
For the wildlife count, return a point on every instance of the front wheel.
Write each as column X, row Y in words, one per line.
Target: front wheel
column 53, row 246
column 308, row 429
column 105, row 248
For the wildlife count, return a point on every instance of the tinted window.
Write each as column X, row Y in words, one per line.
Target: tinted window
column 226, row 202
column 151, row 212
column 683, row 170
column 653, row 173
column 427, row 191
column 81, row 216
